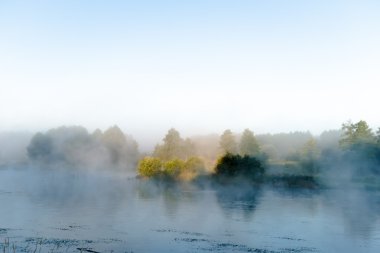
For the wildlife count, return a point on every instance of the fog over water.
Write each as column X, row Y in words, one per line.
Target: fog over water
column 65, row 210
column 70, row 190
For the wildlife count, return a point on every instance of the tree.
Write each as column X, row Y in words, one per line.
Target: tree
column 361, row 147
column 228, row 143
column 356, row 134
column 113, row 138
column 329, row 140
column 248, row 144
column 173, row 167
column 40, row 147
column 309, row 157
column 284, row 144
column 149, row 167
column 188, row 149
column 310, row 149
column 123, row 151
column 171, row 146
column 62, row 145
column 231, row 166
column 174, row 147
column 195, row 165
column 97, row 134
column 74, row 147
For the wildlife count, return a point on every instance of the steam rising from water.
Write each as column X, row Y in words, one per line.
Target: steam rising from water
column 106, row 211
column 81, row 193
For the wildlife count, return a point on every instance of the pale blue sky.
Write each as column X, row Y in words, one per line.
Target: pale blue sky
column 199, row 66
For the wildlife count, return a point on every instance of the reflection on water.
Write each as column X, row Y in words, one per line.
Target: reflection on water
column 62, row 211
column 238, row 199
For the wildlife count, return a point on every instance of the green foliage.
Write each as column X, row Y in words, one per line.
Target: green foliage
column 356, row 134
column 361, row 147
column 248, row 144
column 228, row 143
column 310, row 149
column 306, row 160
column 149, row 167
column 173, row 167
column 279, row 146
column 174, row 147
column 188, row 148
column 232, row 166
column 195, row 165
column 176, row 169
column 310, row 155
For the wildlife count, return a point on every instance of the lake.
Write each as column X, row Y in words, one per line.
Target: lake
column 73, row 211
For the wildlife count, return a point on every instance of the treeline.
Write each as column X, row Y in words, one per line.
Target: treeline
column 229, row 155
column 361, row 147
column 355, row 149
column 178, row 158
column 76, row 147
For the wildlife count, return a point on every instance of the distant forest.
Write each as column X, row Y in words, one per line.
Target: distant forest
column 354, row 148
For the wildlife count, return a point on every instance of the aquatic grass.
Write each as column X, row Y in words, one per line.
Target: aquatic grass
column 38, row 247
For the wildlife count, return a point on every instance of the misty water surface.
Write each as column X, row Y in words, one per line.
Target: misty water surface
column 61, row 211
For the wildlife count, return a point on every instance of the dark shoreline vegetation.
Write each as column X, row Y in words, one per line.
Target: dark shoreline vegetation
column 298, row 159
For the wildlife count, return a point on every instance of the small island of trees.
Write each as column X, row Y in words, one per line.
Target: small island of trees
column 256, row 159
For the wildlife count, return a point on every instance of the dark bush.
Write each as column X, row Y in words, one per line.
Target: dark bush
column 232, row 166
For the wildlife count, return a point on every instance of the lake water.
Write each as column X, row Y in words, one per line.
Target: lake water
column 61, row 211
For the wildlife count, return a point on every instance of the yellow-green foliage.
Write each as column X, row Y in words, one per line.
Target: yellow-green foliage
column 195, row 165
column 149, row 167
column 174, row 147
column 174, row 167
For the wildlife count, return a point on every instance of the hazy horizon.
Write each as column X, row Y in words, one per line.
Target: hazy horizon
column 146, row 141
